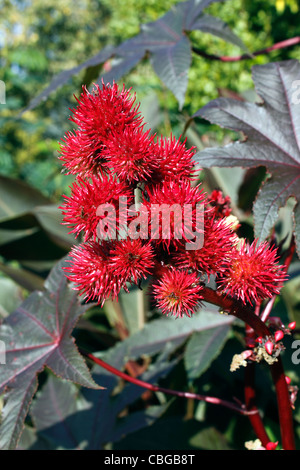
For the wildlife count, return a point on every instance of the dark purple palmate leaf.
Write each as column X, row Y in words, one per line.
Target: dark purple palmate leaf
column 272, row 140
column 38, row 334
column 166, row 42
column 65, row 75
column 169, row 47
column 66, row 417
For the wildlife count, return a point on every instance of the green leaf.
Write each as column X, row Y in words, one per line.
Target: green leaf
column 30, row 224
column 137, row 421
column 10, row 296
column 30, row 58
column 50, row 218
column 106, row 408
column 65, row 75
column 29, row 221
column 38, row 334
column 8, row 236
column 23, row 277
column 173, row 433
column 272, row 140
column 18, row 198
column 202, row 348
column 167, row 334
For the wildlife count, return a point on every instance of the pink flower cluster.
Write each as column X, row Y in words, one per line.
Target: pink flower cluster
column 112, row 156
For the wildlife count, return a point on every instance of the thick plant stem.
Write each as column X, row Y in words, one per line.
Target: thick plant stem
column 249, row 390
column 237, row 309
column 284, row 406
column 250, row 395
column 288, row 259
column 244, row 313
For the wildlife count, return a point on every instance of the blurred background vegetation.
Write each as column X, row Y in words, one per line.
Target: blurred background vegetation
column 40, row 38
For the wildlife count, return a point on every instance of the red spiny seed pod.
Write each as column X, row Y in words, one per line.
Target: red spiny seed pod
column 174, row 159
column 177, row 293
column 89, row 271
column 92, row 201
column 82, row 156
column 175, row 208
column 104, row 109
column 132, row 260
column 132, row 154
column 253, row 273
column 219, row 241
column 110, row 154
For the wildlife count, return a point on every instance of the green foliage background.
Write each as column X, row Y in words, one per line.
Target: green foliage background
column 39, row 39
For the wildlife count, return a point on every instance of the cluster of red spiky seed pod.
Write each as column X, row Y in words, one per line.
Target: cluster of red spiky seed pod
column 268, row 347
column 113, row 158
column 272, row 344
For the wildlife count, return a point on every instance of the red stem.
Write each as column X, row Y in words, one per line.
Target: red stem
column 282, row 393
column 288, row 259
column 250, row 393
column 255, row 419
column 283, row 398
column 233, row 307
column 284, row 406
column 290, row 253
column 278, row 45
column 155, row 388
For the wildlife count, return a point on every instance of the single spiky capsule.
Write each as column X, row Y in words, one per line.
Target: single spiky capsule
column 177, row 293
column 252, row 272
column 271, row 445
column 269, row 346
column 278, row 335
column 292, row 325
